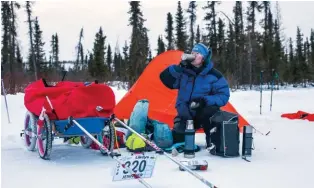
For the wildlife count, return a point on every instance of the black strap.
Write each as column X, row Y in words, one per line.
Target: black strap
column 64, row 74
column 45, row 83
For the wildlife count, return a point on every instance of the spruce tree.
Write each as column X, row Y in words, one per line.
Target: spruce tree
column 252, row 8
column 281, row 65
column 272, row 63
column 220, row 36
column 231, row 70
column 264, row 22
column 240, row 55
column 57, row 50
column 91, row 65
column 109, row 59
column 211, row 25
column 52, row 52
column 306, row 51
column 150, row 56
column 19, row 58
column 161, row 46
column 192, row 16
column 41, row 65
column 13, row 35
column 125, row 62
column 181, row 37
column 266, row 40
column 32, row 59
column 80, row 53
column 221, row 45
column 198, row 35
column 5, row 16
column 312, row 53
column 253, row 47
column 139, row 46
column 293, row 73
column 301, row 65
column 147, row 49
column 98, row 69
column 169, row 32
column 116, row 64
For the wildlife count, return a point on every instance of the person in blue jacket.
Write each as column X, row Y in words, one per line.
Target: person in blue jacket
column 202, row 91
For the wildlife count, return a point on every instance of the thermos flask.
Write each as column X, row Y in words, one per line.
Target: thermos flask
column 247, row 141
column 189, row 140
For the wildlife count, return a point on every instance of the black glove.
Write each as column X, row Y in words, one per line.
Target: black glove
column 185, row 63
column 197, row 103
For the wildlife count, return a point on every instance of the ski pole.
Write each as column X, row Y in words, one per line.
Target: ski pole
column 261, row 90
column 272, row 85
column 159, row 150
column 278, row 81
column 71, row 121
column 5, row 99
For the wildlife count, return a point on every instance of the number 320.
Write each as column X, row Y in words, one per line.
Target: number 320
column 141, row 166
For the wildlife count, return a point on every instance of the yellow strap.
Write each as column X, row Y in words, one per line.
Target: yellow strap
column 116, row 139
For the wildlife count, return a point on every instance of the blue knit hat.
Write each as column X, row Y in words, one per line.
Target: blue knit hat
column 202, row 49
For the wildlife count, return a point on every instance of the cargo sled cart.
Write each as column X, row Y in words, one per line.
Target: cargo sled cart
column 49, row 108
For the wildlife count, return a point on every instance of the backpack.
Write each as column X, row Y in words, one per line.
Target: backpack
column 138, row 118
column 161, row 134
column 157, row 131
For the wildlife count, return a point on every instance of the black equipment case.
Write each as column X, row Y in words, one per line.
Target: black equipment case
column 225, row 135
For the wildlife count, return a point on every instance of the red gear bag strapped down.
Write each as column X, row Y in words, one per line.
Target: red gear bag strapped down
column 299, row 115
column 70, row 99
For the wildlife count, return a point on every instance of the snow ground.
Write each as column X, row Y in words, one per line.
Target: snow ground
column 284, row 158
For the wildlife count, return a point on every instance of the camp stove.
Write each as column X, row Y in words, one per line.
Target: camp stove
column 195, row 165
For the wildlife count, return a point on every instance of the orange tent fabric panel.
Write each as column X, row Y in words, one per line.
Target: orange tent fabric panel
column 161, row 99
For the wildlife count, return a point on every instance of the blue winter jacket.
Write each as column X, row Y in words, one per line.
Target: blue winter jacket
column 209, row 84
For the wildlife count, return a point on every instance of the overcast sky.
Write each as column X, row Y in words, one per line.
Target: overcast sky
column 67, row 17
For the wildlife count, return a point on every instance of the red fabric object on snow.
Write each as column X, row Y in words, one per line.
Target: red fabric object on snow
column 299, row 115
column 121, row 140
column 70, row 99
column 94, row 146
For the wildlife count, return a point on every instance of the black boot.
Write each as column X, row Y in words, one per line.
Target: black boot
column 177, row 137
column 178, row 130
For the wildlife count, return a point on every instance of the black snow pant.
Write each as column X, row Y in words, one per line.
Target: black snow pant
column 201, row 120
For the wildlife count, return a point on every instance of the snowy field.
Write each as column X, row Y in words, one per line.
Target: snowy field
column 284, row 158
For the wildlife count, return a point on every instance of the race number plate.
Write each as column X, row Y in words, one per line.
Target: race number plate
column 141, row 164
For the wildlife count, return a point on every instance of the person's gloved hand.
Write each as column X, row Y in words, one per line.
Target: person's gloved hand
column 197, row 103
column 185, row 64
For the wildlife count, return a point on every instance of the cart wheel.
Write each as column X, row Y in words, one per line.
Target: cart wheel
column 30, row 131
column 108, row 137
column 86, row 142
column 44, row 140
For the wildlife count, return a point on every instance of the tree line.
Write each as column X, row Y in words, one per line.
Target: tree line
column 240, row 51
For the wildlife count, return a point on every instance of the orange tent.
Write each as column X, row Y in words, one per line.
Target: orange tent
column 161, row 99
